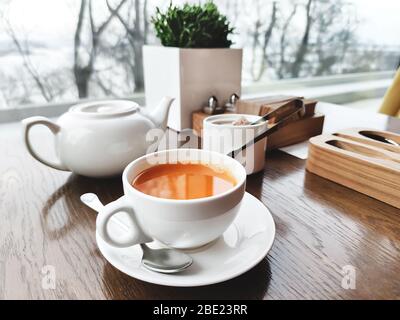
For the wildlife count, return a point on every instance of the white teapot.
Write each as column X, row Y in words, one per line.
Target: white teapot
column 98, row 139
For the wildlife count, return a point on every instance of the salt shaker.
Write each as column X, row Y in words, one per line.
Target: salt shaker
column 212, row 107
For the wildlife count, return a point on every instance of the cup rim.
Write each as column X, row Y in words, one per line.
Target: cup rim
column 183, row 201
column 209, row 120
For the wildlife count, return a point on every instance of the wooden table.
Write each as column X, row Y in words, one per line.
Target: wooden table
column 321, row 228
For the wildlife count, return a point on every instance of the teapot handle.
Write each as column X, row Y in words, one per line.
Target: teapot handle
column 54, row 128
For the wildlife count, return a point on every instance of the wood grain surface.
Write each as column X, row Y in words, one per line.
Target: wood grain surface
column 321, row 228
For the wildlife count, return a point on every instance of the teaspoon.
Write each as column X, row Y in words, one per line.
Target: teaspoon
column 164, row 260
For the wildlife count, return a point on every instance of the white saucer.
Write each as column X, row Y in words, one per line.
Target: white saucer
column 245, row 243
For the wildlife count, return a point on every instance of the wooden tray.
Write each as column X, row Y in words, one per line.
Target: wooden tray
column 301, row 130
column 356, row 161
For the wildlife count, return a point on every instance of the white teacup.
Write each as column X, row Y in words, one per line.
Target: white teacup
column 176, row 223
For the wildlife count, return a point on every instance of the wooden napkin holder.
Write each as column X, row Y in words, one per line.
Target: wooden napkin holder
column 308, row 126
column 358, row 162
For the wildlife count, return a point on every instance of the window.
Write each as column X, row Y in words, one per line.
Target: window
column 62, row 51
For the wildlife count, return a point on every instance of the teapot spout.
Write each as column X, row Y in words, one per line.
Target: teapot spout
column 159, row 116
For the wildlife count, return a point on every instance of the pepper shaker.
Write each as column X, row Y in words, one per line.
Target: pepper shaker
column 230, row 106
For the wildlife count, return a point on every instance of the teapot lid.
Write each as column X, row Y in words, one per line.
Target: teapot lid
column 105, row 109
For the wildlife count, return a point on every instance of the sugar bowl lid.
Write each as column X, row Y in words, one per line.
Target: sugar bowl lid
column 104, row 109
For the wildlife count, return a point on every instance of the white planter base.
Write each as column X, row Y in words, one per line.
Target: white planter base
column 191, row 76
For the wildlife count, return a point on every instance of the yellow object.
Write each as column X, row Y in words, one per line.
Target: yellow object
column 391, row 101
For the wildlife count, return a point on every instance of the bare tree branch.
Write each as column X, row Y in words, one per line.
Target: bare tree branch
column 283, row 44
column 266, row 40
column 107, row 91
column 83, row 73
column 303, row 47
column 256, row 41
column 119, row 17
column 45, row 90
column 102, row 27
column 145, row 22
column 78, row 31
column 137, row 38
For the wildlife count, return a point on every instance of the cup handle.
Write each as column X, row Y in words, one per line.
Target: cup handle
column 136, row 236
column 54, row 128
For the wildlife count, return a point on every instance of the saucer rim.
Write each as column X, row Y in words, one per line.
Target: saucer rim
column 200, row 283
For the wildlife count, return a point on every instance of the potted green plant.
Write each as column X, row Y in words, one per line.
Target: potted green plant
column 194, row 62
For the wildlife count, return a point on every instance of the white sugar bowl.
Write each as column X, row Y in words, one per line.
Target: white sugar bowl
column 220, row 134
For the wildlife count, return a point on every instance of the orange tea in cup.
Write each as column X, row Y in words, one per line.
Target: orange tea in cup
column 183, row 181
